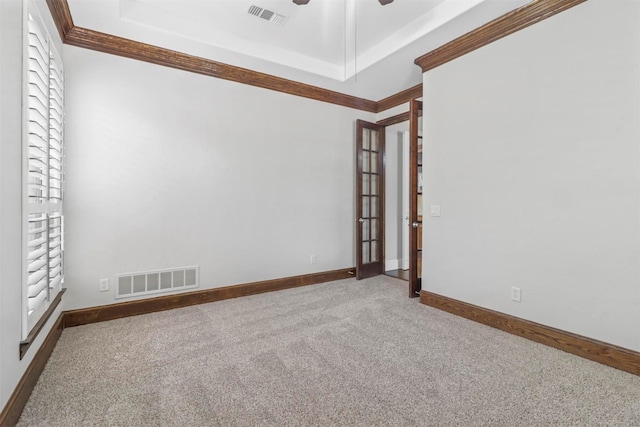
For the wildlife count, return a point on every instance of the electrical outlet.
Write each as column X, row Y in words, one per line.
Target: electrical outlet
column 312, row 259
column 104, row 285
column 515, row 294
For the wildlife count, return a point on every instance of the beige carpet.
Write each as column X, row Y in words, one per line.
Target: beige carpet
column 345, row 353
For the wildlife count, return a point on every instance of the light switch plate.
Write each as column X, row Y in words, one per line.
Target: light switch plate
column 515, row 294
column 435, row 210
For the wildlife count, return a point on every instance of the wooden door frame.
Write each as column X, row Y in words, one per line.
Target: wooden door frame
column 415, row 282
column 412, row 116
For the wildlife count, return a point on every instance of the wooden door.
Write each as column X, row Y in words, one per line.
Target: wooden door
column 415, row 199
column 369, row 199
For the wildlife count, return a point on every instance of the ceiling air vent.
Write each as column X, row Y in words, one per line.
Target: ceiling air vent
column 267, row 15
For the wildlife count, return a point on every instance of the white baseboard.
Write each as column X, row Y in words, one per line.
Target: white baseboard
column 391, row 264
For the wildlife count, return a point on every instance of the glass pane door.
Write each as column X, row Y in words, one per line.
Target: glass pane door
column 415, row 199
column 370, row 199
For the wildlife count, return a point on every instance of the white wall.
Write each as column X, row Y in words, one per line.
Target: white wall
column 167, row 169
column 532, row 150
column 11, row 367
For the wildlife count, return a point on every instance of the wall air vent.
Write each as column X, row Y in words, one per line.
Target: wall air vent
column 156, row 281
column 267, row 15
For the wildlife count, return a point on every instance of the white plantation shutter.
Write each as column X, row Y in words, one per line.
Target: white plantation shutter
column 55, row 128
column 37, row 261
column 43, row 152
column 56, row 84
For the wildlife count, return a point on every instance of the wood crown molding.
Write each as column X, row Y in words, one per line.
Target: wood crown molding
column 167, row 302
column 102, row 42
column 61, row 16
column 94, row 40
column 399, row 98
column 393, row 120
column 509, row 23
column 13, row 409
column 597, row 351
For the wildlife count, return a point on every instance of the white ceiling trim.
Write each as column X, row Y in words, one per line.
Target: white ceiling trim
column 143, row 15
column 350, row 63
column 378, row 76
column 418, row 28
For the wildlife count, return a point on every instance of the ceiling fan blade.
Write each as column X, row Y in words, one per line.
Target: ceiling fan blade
column 383, row 2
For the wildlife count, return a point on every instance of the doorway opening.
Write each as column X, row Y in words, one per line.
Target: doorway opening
column 389, row 237
column 397, row 201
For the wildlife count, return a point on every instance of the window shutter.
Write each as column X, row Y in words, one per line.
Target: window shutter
column 38, row 122
column 56, row 85
column 43, row 150
column 55, row 129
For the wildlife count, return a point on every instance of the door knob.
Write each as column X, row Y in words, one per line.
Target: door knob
column 415, row 225
column 361, row 220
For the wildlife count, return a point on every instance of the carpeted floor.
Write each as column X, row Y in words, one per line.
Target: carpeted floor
column 345, row 353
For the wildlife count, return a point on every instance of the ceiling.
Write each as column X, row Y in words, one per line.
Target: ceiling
column 357, row 47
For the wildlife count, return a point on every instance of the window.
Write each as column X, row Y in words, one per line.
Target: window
column 42, row 174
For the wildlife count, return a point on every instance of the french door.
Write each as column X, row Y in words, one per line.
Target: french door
column 369, row 199
column 415, row 199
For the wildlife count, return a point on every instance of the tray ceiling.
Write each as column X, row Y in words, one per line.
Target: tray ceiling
column 358, row 47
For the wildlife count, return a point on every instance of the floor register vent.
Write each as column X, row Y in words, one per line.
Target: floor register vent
column 157, row 281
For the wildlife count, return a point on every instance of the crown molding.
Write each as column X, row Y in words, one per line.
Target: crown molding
column 400, row 98
column 509, row 23
column 102, row 42
column 61, row 16
column 394, row 120
column 107, row 43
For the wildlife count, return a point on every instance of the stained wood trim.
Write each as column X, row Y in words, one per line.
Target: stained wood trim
column 375, row 264
column 415, row 248
column 598, row 351
column 399, row 98
column 61, row 16
column 24, row 345
column 168, row 302
column 394, row 120
column 12, row 410
column 102, row 42
column 94, row 40
column 509, row 23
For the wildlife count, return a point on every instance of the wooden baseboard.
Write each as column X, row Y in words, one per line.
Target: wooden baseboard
column 133, row 308
column 13, row 409
column 598, row 351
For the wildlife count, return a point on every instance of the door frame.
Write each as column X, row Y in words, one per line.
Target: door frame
column 415, row 220
column 406, row 195
column 412, row 116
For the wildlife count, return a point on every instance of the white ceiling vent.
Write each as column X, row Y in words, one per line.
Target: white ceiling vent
column 267, row 15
